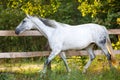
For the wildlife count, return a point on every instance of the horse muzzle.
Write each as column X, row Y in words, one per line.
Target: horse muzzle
column 17, row 31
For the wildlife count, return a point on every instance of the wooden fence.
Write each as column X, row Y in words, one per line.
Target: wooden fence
column 45, row 53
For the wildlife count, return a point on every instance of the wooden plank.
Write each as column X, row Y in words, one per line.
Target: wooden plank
column 46, row 53
column 23, row 54
column 84, row 53
column 114, row 31
column 37, row 33
column 26, row 33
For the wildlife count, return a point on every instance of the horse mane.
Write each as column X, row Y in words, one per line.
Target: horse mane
column 48, row 22
column 52, row 23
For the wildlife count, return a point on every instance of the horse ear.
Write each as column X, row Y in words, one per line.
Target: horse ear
column 28, row 16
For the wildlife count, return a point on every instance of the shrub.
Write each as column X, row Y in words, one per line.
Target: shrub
column 116, row 45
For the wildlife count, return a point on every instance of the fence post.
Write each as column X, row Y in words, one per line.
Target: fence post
column 119, row 37
column 49, row 65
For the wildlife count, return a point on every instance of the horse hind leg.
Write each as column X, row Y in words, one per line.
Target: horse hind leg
column 63, row 56
column 91, row 55
column 106, row 52
column 108, row 55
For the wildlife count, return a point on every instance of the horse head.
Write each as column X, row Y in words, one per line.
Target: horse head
column 26, row 24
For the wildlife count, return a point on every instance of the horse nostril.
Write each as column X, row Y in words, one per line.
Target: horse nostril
column 17, row 31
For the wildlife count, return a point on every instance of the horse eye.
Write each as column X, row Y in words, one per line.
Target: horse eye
column 24, row 21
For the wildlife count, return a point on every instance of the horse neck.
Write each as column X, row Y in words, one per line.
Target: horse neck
column 46, row 30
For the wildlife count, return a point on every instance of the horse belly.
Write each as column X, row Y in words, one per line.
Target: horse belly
column 79, row 43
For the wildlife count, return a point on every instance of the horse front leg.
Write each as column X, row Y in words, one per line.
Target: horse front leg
column 51, row 56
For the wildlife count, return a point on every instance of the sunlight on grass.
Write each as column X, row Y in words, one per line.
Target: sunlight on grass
column 22, row 69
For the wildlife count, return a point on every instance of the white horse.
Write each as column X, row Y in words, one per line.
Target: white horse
column 63, row 37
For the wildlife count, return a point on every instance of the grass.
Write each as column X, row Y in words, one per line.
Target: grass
column 58, row 75
column 28, row 70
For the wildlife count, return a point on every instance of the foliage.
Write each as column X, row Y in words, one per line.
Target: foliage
column 10, row 19
column 68, row 13
column 89, row 7
column 116, row 45
column 102, row 12
column 37, row 7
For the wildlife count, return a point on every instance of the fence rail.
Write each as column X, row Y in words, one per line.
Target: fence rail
column 44, row 53
column 37, row 33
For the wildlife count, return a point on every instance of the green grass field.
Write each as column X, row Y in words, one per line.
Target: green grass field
column 22, row 69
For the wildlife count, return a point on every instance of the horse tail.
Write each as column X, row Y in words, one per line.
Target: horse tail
column 110, row 50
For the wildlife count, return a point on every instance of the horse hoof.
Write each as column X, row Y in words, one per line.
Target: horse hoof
column 42, row 75
column 84, row 71
column 69, row 70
